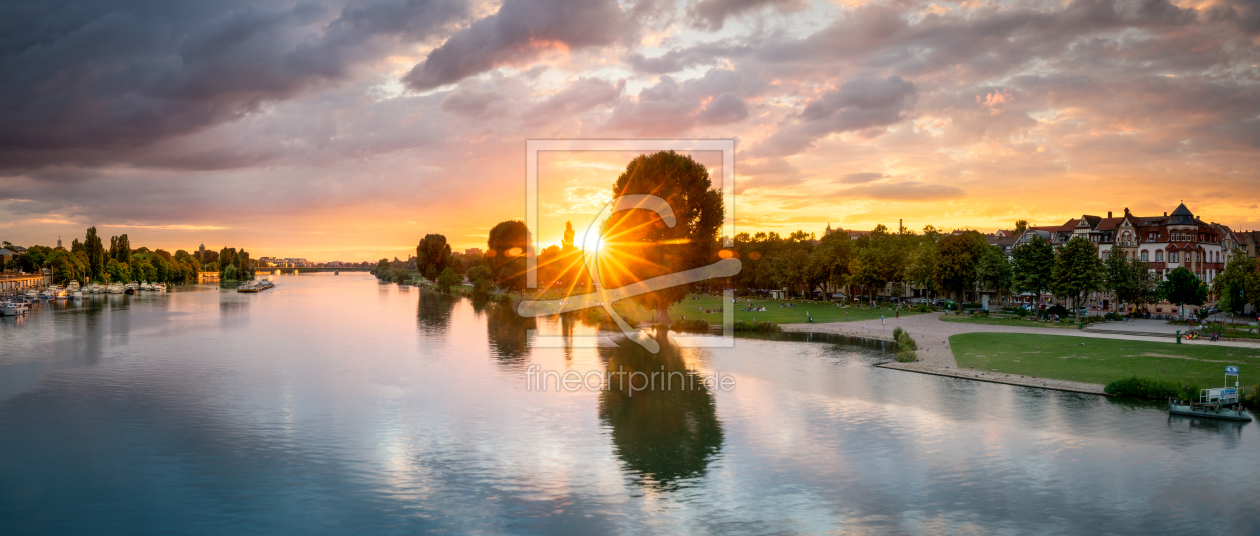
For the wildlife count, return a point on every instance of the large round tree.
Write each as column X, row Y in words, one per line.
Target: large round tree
column 433, row 255
column 507, row 245
column 638, row 245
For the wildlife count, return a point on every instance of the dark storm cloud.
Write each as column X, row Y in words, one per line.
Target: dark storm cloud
column 864, row 103
column 90, row 82
column 518, row 34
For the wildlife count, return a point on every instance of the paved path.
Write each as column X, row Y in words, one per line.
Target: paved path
column 935, row 356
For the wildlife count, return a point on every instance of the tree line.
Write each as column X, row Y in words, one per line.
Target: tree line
column 938, row 265
column 88, row 260
column 951, row 265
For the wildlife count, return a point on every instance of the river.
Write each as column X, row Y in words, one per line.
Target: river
column 334, row 404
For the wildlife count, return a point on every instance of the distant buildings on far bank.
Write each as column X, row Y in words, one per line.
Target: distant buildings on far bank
column 1176, row 239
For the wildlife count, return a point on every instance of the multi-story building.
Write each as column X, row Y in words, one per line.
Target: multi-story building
column 1167, row 242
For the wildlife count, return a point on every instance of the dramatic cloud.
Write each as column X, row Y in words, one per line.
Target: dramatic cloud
column 323, row 125
column 712, row 14
column 89, row 83
column 519, row 33
column 669, row 108
column 865, row 103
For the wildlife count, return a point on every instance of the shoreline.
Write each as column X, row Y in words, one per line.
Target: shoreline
column 998, row 377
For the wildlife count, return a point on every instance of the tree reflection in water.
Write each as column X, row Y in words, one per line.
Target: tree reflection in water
column 665, row 435
column 508, row 333
column 433, row 313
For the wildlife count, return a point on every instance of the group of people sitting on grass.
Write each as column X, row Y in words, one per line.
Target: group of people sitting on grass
column 718, row 310
column 1193, row 335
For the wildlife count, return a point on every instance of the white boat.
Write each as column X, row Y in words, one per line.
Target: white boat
column 78, row 295
column 32, row 294
column 146, row 286
column 159, row 287
column 1217, row 403
column 13, row 308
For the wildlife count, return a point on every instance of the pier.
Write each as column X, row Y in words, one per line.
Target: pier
column 12, row 283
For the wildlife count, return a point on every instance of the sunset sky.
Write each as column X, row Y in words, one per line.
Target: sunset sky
column 347, row 130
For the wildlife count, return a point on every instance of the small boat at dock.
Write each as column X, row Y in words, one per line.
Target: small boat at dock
column 1220, row 403
column 13, row 308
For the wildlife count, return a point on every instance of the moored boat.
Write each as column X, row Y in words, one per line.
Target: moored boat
column 11, row 308
column 1218, row 403
column 255, row 286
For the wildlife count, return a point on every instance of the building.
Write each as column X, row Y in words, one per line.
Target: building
column 1179, row 239
column 853, row 235
column 1249, row 241
column 1167, row 242
column 473, row 252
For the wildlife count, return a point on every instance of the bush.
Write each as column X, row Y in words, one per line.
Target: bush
column 1153, row 389
column 907, row 346
column 447, row 279
column 905, row 341
column 1022, row 312
column 741, row 325
column 692, row 324
column 1057, row 309
column 1251, row 396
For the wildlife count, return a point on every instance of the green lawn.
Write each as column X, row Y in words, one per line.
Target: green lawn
column 995, row 321
column 1090, row 360
column 694, row 305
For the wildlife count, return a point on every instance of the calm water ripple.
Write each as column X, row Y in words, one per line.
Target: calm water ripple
column 334, row 404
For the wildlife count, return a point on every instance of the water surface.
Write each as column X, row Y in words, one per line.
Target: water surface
column 334, row 404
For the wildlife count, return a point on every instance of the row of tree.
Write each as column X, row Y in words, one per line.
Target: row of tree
column 90, row 261
column 953, row 265
column 638, row 246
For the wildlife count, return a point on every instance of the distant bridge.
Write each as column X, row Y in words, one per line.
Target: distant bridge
column 273, row 269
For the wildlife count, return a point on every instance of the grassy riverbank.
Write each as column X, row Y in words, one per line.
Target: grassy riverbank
column 1092, row 360
column 695, row 305
column 1004, row 321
